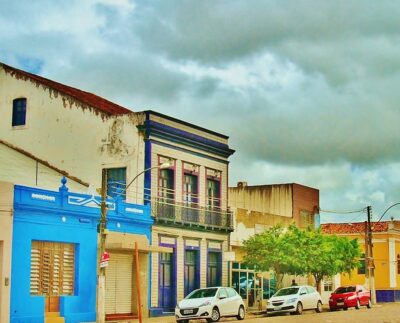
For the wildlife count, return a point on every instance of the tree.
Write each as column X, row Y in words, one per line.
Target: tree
column 324, row 255
column 303, row 252
column 270, row 250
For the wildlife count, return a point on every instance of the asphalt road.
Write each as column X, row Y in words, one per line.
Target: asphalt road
column 385, row 313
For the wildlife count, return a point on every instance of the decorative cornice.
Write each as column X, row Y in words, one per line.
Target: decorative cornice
column 155, row 129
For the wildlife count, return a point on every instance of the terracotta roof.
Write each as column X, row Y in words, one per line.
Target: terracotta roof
column 359, row 227
column 86, row 98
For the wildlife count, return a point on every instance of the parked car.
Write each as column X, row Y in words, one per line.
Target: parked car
column 350, row 296
column 294, row 300
column 211, row 304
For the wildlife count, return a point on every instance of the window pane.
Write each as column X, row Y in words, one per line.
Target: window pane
column 19, row 112
column 116, row 181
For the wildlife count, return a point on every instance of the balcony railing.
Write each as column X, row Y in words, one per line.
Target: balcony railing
column 191, row 215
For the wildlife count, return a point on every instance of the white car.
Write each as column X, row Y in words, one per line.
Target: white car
column 294, row 300
column 211, row 304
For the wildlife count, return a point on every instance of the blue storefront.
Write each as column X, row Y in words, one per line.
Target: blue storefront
column 54, row 256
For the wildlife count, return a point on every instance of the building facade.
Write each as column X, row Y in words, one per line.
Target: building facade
column 257, row 208
column 50, row 129
column 189, row 205
column 54, row 256
column 386, row 254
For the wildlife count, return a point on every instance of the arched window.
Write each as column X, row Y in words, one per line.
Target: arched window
column 19, row 112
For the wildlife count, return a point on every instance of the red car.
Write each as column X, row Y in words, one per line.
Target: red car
column 350, row 296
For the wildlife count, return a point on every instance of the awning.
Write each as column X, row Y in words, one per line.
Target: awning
column 126, row 242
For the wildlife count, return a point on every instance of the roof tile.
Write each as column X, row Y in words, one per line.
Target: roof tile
column 87, row 98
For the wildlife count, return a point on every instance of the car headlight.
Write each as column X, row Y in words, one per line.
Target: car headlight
column 352, row 297
column 268, row 303
column 206, row 303
column 291, row 300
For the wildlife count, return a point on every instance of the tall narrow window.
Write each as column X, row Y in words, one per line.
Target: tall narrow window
column 398, row 264
column 214, row 269
column 190, row 211
column 52, row 268
column 213, row 186
column 116, row 182
column 191, row 271
column 361, row 265
column 166, row 194
column 19, row 112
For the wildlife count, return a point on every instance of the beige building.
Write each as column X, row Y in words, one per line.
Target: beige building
column 6, row 207
column 257, row 208
column 49, row 130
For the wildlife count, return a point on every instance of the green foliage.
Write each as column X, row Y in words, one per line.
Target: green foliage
column 301, row 252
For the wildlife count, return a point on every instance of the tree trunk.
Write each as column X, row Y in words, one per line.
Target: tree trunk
column 318, row 283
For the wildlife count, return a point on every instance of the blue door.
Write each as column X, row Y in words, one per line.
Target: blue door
column 191, row 271
column 166, row 290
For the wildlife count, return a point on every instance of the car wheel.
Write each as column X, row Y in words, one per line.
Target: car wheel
column 299, row 308
column 358, row 305
column 319, row 307
column 369, row 305
column 345, row 308
column 215, row 316
column 182, row 321
column 241, row 313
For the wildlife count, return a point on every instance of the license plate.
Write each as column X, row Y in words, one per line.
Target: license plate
column 187, row 311
column 277, row 308
column 340, row 303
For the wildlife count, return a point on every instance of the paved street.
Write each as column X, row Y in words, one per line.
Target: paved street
column 386, row 313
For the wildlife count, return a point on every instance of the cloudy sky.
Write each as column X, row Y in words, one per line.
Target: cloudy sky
column 308, row 91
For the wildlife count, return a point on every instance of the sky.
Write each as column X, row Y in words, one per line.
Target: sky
column 307, row 91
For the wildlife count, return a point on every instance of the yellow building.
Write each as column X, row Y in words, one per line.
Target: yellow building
column 386, row 254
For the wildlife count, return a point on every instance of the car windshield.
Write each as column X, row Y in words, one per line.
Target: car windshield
column 342, row 290
column 287, row 291
column 202, row 293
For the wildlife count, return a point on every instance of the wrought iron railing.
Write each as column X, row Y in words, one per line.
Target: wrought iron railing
column 191, row 215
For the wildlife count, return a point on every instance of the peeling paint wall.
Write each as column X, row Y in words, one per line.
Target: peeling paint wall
column 260, row 207
column 70, row 135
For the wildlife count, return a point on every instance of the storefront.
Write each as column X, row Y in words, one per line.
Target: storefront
column 254, row 287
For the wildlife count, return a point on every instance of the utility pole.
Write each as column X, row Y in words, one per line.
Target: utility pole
column 371, row 266
column 102, row 233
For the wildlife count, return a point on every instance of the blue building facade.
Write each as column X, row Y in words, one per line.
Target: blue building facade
column 54, row 256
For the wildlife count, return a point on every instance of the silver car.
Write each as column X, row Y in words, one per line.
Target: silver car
column 294, row 300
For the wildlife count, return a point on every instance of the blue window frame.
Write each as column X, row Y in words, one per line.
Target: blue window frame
column 19, row 112
column 116, row 182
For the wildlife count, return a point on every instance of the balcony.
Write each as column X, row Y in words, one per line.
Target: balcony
column 194, row 217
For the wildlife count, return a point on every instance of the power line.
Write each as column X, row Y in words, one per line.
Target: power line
column 343, row 212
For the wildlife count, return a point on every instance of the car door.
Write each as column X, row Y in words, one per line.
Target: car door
column 223, row 302
column 303, row 297
column 234, row 301
column 313, row 297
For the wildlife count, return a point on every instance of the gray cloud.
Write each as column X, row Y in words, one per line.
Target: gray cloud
column 306, row 90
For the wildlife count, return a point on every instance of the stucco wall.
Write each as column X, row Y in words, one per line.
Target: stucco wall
column 304, row 199
column 20, row 169
column 268, row 199
column 6, row 231
column 70, row 136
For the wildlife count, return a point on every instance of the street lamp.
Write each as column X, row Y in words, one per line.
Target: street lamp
column 102, row 233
